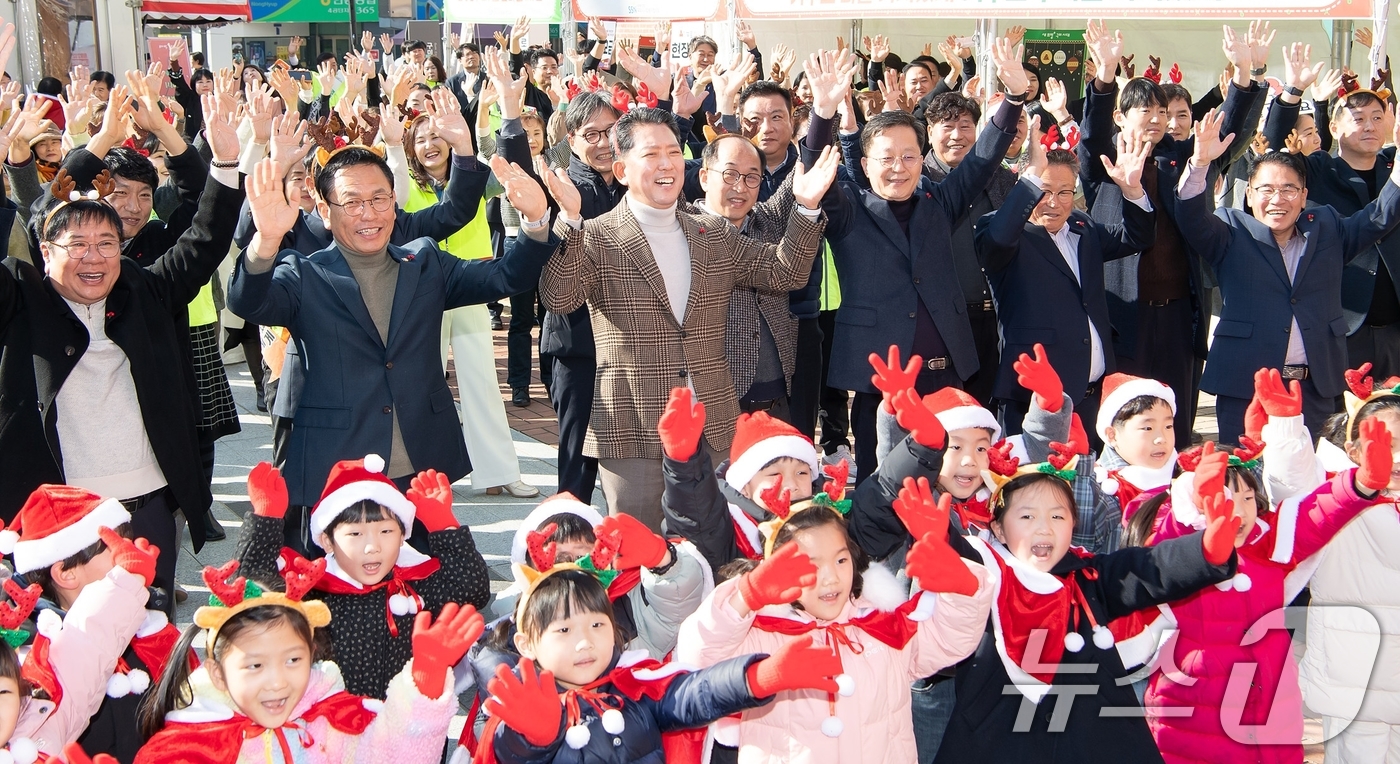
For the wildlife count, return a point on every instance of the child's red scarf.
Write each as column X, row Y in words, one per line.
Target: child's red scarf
column 219, row 742
column 892, row 627
column 397, row 582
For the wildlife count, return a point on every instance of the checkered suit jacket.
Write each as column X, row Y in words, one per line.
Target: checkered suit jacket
column 642, row 352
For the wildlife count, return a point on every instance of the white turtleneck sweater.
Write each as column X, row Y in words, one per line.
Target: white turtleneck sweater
column 670, row 249
column 100, row 428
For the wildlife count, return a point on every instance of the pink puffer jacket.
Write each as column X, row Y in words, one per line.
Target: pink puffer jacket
column 876, row 721
column 1200, row 719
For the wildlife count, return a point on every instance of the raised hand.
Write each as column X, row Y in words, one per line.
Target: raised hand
column 1363, row 36
column 386, row 43
column 137, row 558
column 1237, row 50
column 890, row 378
column 1276, row 399
column 1105, row 47
column 272, row 214
column 829, row 75
column 685, row 98
column 565, row 194
column 289, row 144
column 1374, row 474
column 744, row 32
column 729, row 82
column 267, row 491
column 1055, row 99
column 1260, row 39
column 1210, row 472
column 518, row 30
column 922, row 424
column 1297, row 68
column 1210, row 146
column 439, row 646
column 879, row 46
column 1327, row 85
column 600, row 30
column 114, row 121
column 79, row 102
column 528, row 704
column 1134, row 152
column 1007, row 55
column 933, row 562
column 509, row 88
column 681, row 425
column 431, row 494
column 1222, row 526
column 640, row 548
column 797, row 665
column 1037, row 375
column 809, row 186
column 921, row 514
column 779, row 579
column 1037, row 162
column 523, row 193
column 450, row 124
column 325, row 76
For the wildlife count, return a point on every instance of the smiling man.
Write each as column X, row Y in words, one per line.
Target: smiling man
column 657, row 281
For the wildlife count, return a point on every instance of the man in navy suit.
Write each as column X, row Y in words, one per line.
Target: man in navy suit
column 1280, row 275
column 1045, row 262
column 365, row 314
column 892, row 245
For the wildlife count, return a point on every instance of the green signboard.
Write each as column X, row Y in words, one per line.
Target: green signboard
column 1058, row 53
column 316, row 11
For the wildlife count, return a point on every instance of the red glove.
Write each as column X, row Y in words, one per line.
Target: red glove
column 778, row 579
column 1038, row 376
column 137, row 558
column 439, row 646
column 1255, row 417
column 889, row 378
column 915, row 417
column 937, row 567
column 640, row 547
column 431, row 494
column 1274, row 397
column 918, row 510
column 267, row 491
column 681, row 425
column 1359, row 381
column 74, row 754
column 528, row 704
column 1210, row 473
column 797, row 665
column 1222, row 525
column 1376, row 459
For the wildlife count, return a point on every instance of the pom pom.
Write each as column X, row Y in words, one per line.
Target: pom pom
column 118, row 686
column 1074, row 642
column 399, row 604
column 613, row 723
column 49, row 623
column 845, row 685
column 23, row 750
column 8, row 539
column 1109, row 486
column 1242, row 582
column 372, row 705
column 832, row 726
column 140, row 681
column 578, row 736
column 1103, row 638
column 374, row 463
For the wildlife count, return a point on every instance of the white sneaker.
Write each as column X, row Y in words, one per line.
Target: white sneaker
column 843, row 454
column 519, row 489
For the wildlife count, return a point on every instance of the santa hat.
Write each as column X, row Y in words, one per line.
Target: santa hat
column 558, row 504
column 355, row 481
column 956, row 410
column 57, row 522
column 758, row 440
column 1120, row 389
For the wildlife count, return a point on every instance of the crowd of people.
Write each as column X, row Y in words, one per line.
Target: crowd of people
column 887, row 371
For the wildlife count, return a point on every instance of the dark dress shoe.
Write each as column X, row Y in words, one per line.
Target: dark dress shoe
column 520, row 396
column 212, row 530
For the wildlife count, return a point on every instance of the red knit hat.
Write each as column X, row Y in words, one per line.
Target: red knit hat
column 57, row 522
column 758, row 440
column 1119, row 389
column 355, row 481
column 956, row 410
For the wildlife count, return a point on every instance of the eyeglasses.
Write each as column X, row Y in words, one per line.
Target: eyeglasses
column 908, row 160
column 1062, row 197
column 594, row 137
column 731, row 177
column 1285, row 193
column 80, row 250
column 354, row 209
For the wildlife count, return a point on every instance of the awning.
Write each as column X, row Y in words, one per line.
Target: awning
column 194, row 11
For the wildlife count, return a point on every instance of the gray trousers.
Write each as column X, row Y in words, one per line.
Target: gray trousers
column 634, row 486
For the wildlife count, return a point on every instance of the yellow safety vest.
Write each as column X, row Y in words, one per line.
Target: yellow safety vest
column 471, row 242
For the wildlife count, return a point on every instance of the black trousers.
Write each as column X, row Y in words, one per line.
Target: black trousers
column 525, row 310
column 1229, row 412
column 572, row 395
column 1165, row 352
column 807, row 378
column 834, row 404
column 498, row 241
column 1378, row 346
column 153, row 519
column 988, row 341
column 866, row 405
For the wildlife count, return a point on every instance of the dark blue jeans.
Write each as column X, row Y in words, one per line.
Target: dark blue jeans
column 933, row 707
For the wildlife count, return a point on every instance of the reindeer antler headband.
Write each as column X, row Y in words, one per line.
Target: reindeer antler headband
column 65, row 190
column 543, row 554
column 229, row 598
column 778, row 501
column 12, row 617
column 325, row 133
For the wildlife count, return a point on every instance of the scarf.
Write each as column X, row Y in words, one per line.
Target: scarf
column 401, row 594
column 219, row 742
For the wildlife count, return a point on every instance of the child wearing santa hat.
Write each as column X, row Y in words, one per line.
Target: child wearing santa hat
column 374, row 582
column 97, row 646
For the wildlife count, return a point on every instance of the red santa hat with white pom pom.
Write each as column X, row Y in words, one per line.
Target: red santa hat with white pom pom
column 353, row 481
column 57, row 522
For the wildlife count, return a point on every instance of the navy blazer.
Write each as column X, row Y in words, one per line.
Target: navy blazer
column 1039, row 299
column 883, row 274
column 1331, row 181
column 1260, row 302
column 351, row 381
